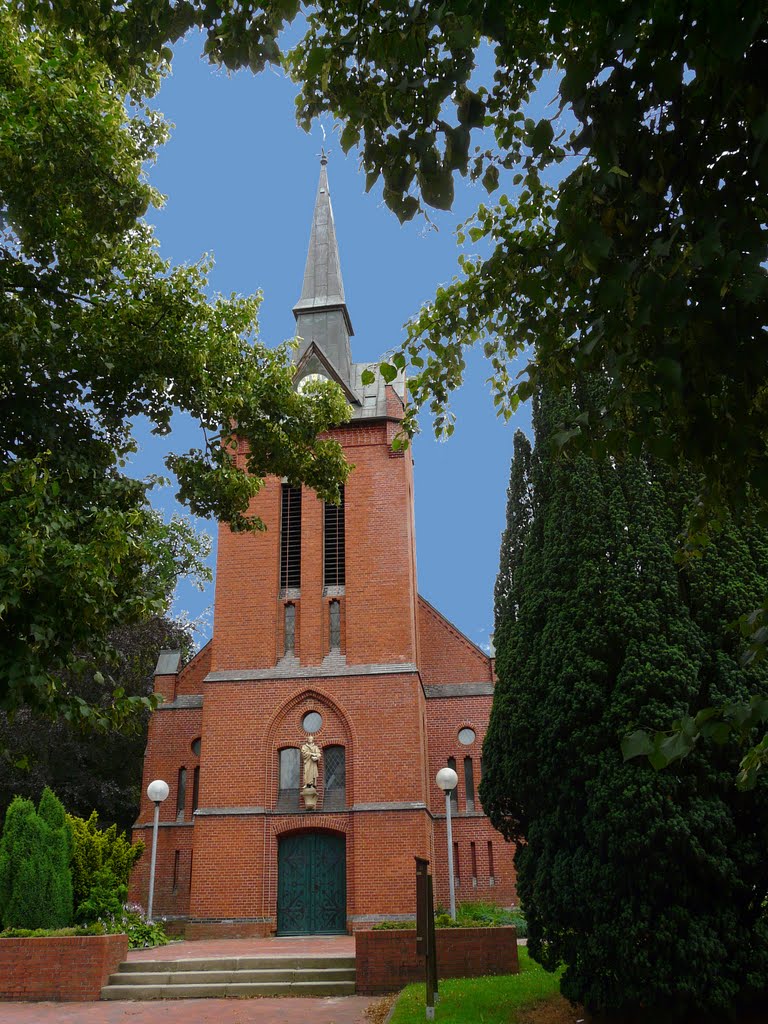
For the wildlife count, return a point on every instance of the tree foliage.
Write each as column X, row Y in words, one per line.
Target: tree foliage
column 649, row 886
column 645, row 261
column 35, row 876
column 98, row 329
column 91, row 766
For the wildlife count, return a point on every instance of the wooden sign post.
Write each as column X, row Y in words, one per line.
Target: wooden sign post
column 425, row 931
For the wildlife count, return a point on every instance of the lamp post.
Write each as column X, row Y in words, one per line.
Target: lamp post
column 447, row 780
column 157, row 791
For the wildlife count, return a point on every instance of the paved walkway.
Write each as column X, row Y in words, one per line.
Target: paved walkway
column 300, row 945
column 338, row 1010
column 288, row 1010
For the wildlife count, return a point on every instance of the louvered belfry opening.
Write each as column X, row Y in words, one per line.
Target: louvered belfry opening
column 290, row 538
column 334, row 568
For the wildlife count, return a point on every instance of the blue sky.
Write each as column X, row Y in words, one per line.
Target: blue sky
column 240, row 179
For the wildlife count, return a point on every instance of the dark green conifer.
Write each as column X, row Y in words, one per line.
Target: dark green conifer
column 58, row 848
column 24, row 868
column 647, row 886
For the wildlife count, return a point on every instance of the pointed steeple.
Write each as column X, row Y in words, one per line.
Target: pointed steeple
column 321, row 313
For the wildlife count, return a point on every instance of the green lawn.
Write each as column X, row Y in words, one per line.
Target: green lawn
column 481, row 1000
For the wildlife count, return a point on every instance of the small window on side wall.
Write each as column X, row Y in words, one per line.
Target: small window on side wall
column 455, row 790
column 181, row 794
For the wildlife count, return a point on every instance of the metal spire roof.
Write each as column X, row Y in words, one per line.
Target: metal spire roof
column 321, row 312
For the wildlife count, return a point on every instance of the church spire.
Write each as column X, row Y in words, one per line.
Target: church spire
column 321, row 312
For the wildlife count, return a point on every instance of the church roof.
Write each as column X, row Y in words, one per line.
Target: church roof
column 322, row 317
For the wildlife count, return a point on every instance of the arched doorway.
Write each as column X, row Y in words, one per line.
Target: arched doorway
column 312, row 884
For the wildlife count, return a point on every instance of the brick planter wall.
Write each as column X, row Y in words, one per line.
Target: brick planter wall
column 67, row 969
column 386, row 960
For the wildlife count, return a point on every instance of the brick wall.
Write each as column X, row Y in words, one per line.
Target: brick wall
column 224, row 858
column 445, row 718
column 380, row 616
column 71, row 968
column 447, row 656
column 387, row 960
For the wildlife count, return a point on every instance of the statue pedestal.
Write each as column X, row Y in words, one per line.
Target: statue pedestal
column 310, row 797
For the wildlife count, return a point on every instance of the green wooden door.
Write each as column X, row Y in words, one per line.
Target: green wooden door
column 312, row 884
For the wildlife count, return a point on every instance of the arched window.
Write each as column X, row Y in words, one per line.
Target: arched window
column 195, row 788
column 288, row 784
column 181, row 794
column 335, row 774
column 289, row 646
column 455, row 791
column 334, row 613
column 469, row 784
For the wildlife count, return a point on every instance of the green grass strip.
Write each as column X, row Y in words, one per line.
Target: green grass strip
column 489, row 1000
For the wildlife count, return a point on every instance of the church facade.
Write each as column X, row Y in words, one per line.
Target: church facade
column 301, row 743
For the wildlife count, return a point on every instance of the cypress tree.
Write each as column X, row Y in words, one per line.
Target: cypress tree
column 647, row 886
column 58, row 848
column 23, row 868
column 518, row 521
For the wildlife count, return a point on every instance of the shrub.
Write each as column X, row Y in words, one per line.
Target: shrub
column 105, row 900
column 96, row 849
column 35, row 879
column 45, row 933
column 142, row 933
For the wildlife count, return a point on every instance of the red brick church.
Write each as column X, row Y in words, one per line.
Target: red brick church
column 322, row 647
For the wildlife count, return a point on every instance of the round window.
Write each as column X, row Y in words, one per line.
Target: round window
column 466, row 736
column 196, row 747
column 312, row 721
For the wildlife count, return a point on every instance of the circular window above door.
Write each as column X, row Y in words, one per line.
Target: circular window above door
column 312, row 721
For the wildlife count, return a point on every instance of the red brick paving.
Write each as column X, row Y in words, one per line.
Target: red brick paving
column 290, row 1010
column 315, row 945
column 337, row 1010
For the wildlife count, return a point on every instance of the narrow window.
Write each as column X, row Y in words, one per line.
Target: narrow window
column 195, row 788
column 181, row 794
column 335, row 625
column 473, row 861
column 290, row 629
column 469, row 783
column 456, row 866
column 176, row 858
column 333, row 534
column 491, row 872
column 454, row 792
column 334, row 796
column 288, row 792
column 290, row 538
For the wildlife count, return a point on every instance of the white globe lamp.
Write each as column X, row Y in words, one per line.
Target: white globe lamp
column 448, row 780
column 157, row 791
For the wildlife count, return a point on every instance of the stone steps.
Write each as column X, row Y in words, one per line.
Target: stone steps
column 232, row 978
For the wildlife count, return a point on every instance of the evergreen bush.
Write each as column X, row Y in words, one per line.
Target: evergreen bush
column 647, row 885
column 35, row 879
column 105, row 900
column 58, row 844
column 96, row 850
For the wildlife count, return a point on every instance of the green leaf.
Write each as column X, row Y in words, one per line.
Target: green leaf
column 636, row 744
